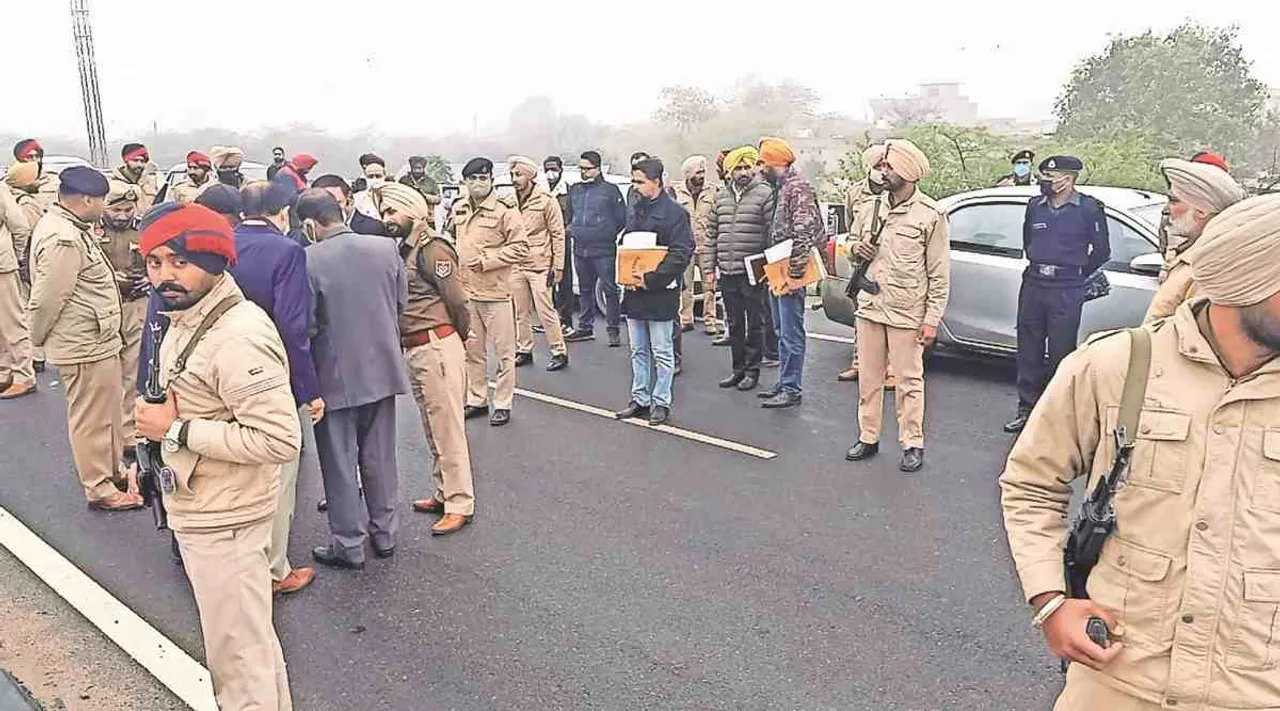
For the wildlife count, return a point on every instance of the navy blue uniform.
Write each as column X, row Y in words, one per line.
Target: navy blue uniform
column 1064, row 245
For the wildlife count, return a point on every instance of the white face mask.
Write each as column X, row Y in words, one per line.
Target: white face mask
column 375, row 182
column 876, row 176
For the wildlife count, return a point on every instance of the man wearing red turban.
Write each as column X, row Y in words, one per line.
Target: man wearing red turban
column 134, row 171
column 199, row 178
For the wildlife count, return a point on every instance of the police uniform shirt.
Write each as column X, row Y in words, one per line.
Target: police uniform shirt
column 1074, row 235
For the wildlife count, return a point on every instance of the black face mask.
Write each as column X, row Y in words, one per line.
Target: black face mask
column 1046, row 188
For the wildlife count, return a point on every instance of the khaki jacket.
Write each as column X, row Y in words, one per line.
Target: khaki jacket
column 14, row 231
column 147, row 187
column 1177, row 286
column 34, row 211
column 1192, row 571
column 436, row 297
column 184, row 191
column 699, row 209
column 491, row 238
column 121, row 247
column 74, row 311
column 47, row 190
column 544, row 223
column 243, row 423
column 912, row 266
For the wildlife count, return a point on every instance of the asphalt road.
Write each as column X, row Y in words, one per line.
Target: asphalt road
column 614, row 567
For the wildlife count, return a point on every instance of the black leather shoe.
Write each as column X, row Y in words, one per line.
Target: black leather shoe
column 770, row 393
column 632, row 410
column 523, row 359
column 1015, row 425
column 733, row 380
column 470, row 412
column 384, row 552
column 659, row 415
column 686, row 328
column 861, row 451
column 326, row 555
column 724, row 341
column 615, row 340
column 749, row 383
column 580, row 335
column 38, row 365
column 322, row 505
column 558, row 362
column 781, row 400
column 912, row 459
column 499, row 418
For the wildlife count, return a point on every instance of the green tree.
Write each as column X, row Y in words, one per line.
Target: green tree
column 438, row 169
column 1186, row 90
column 684, row 107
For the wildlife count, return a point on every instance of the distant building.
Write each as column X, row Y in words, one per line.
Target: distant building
column 933, row 102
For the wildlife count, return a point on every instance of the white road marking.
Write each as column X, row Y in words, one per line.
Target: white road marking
column 833, row 339
column 174, row 668
column 667, row 429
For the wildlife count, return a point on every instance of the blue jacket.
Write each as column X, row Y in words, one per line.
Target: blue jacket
column 1074, row 235
column 271, row 270
column 665, row 217
column 599, row 214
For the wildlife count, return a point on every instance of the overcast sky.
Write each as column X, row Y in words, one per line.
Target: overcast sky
column 422, row 68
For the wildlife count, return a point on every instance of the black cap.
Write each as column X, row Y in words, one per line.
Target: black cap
column 370, row 158
column 82, row 180
column 222, row 199
column 1023, row 155
column 1069, row 163
column 475, row 166
column 417, row 160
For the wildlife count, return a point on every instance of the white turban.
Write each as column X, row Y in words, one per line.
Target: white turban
column 1236, row 262
column 909, row 162
column 523, row 164
column 226, row 157
column 692, row 165
column 1205, row 187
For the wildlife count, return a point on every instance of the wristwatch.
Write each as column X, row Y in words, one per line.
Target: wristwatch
column 173, row 439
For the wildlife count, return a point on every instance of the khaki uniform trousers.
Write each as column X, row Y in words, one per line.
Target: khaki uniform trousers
column 283, row 521
column 530, row 293
column 438, row 380
column 94, row 423
column 880, row 349
column 132, row 316
column 708, row 298
column 37, row 353
column 228, row 574
column 492, row 322
column 1084, row 693
column 15, row 339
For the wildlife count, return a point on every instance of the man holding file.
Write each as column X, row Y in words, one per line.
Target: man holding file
column 652, row 298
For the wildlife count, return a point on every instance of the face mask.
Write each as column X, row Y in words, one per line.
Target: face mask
column 876, row 177
column 1021, row 170
column 375, row 182
column 553, row 176
column 479, row 191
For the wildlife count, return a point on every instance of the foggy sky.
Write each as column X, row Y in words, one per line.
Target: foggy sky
column 402, row 67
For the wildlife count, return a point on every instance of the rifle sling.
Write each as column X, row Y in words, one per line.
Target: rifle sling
column 223, row 306
column 1135, row 391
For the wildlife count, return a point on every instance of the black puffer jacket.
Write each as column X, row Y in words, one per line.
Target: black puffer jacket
column 663, row 216
column 740, row 226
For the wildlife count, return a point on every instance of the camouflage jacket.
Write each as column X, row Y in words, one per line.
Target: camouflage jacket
column 797, row 218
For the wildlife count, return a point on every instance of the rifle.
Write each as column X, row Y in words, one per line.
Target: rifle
column 859, row 282
column 154, row 476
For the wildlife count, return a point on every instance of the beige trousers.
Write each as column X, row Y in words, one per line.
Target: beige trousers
column 93, row 423
column 437, row 376
column 132, row 316
column 492, row 322
column 278, row 549
column 37, row 353
column 880, row 349
column 15, row 339
column 530, row 293
column 708, row 298
column 228, row 574
column 1084, row 693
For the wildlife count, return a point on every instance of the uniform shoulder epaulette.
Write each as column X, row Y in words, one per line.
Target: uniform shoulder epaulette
column 507, row 200
column 1102, row 335
column 930, row 203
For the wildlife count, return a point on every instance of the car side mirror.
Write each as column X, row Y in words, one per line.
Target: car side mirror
column 1149, row 264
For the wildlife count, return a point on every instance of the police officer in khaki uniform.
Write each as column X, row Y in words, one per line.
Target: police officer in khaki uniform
column 491, row 239
column 23, row 180
column 1197, row 192
column 75, row 314
column 17, row 377
column 699, row 200
column 433, row 326
column 199, row 178
column 912, row 265
column 29, row 150
column 120, row 241
column 138, row 172
column 858, row 206
column 533, row 279
column 1189, row 580
column 227, row 425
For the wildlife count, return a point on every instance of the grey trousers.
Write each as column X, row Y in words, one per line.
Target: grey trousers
column 362, row 438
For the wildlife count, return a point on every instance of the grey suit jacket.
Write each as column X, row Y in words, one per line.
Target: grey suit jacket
column 358, row 289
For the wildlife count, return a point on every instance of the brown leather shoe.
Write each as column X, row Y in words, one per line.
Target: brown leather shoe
column 847, row 376
column 18, row 388
column 428, row 506
column 451, row 523
column 119, row 501
column 297, row 579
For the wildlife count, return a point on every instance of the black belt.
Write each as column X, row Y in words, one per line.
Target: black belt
column 1056, row 271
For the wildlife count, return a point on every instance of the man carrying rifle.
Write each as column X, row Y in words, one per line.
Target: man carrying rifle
column 1188, row 581
column 227, row 424
column 908, row 282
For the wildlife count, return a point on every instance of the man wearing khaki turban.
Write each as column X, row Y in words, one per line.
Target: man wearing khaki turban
column 23, row 180
column 1197, row 192
column 533, row 279
column 858, row 204
column 910, row 259
column 698, row 199
column 1189, row 574
column 227, row 161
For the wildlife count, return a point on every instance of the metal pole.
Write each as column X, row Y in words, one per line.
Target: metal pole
column 82, row 32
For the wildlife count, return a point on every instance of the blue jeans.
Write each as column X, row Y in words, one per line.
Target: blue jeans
column 591, row 270
column 788, row 318
column 652, row 349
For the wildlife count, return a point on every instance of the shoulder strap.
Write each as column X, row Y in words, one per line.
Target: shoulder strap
column 1135, row 386
column 223, row 306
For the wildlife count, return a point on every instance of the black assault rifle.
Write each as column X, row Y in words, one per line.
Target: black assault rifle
column 154, row 476
column 858, row 281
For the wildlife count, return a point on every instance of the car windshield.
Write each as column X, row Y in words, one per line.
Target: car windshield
column 1149, row 214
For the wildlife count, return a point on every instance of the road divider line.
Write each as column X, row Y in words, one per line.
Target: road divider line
column 666, row 429
column 163, row 659
column 833, row 339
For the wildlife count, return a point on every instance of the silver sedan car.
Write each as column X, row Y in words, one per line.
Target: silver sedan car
column 987, row 262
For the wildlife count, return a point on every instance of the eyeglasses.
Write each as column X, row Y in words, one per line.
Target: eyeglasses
column 482, row 178
column 588, row 168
